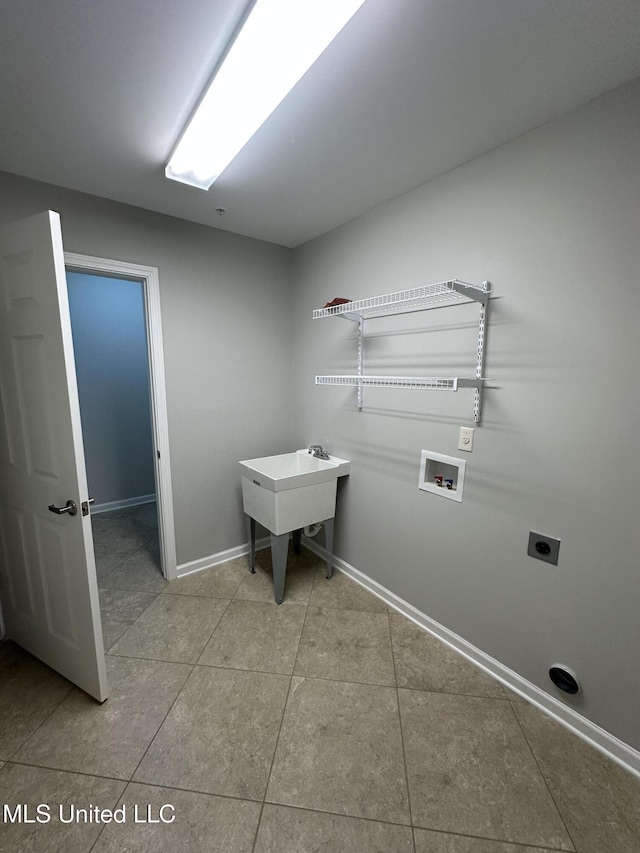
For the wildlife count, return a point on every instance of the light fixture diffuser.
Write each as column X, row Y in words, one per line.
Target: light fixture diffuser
column 279, row 42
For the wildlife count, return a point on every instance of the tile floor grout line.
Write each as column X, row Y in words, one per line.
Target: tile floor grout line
column 128, row 516
column 104, row 826
column 543, row 777
column 455, row 693
column 121, row 550
column 306, row 677
column 66, row 770
column 255, row 834
column 207, row 597
column 72, row 687
column 448, row 833
column 273, row 758
column 201, row 652
column 284, row 711
column 264, row 801
column 152, row 741
column 125, row 557
column 197, row 791
column 103, row 581
column 155, row 660
column 267, row 802
column 304, row 622
column 404, row 751
column 311, row 677
column 320, row 571
column 164, row 787
column 155, row 592
column 128, row 782
column 311, row 810
column 139, row 616
column 291, row 677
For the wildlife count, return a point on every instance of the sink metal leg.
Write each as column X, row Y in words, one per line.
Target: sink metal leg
column 251, row 536
column 279, row 550
column 297, row 539
column 328, row 545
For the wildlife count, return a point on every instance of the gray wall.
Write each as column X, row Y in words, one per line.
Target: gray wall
column 112, row 367
column 226, row 324
column 552, row 220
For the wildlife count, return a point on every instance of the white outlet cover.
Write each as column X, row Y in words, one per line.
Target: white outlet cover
column 465, row 440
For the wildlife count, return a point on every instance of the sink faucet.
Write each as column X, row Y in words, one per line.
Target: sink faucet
column 318, row 452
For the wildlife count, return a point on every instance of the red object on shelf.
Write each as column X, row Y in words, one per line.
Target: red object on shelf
column 337, row 301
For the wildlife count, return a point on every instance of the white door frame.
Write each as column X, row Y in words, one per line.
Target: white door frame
column 159, row 421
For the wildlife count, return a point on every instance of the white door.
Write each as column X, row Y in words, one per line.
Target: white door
column 48, row 584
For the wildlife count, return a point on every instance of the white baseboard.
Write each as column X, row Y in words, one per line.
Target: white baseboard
column 96, row 509
column 623, row 754
column 221, row 557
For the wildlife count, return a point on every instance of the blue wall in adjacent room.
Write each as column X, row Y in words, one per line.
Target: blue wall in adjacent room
column 109, row 338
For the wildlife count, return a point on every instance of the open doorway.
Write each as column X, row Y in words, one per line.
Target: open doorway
column 112, row 369
column 119, row 357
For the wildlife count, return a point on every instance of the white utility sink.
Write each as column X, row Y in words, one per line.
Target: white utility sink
column 291, row 490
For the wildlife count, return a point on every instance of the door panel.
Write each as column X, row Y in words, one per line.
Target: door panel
column 16, row 560
column 56, row 587
column 47, row 568
column 34, row 399
column 7, row 458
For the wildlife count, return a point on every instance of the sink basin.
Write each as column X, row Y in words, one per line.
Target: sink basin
column 293, row 470
column 291, row 490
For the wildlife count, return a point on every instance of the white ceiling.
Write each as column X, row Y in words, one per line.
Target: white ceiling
column 94, row 93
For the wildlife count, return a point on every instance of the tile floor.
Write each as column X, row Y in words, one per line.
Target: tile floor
column 330, row 723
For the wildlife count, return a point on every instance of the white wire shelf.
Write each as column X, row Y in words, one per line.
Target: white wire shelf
column 418, row 383
column 404, row 301
column 454, row 292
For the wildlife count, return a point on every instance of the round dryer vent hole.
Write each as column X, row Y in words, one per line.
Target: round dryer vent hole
column 564, row 679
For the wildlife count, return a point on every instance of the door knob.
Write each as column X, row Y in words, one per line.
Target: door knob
column 70, row 507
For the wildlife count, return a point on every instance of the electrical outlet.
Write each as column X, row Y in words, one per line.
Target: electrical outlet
column 465, row 441
column 543, row 547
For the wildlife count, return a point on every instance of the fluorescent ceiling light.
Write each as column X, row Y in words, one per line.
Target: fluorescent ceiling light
column 279, row 42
